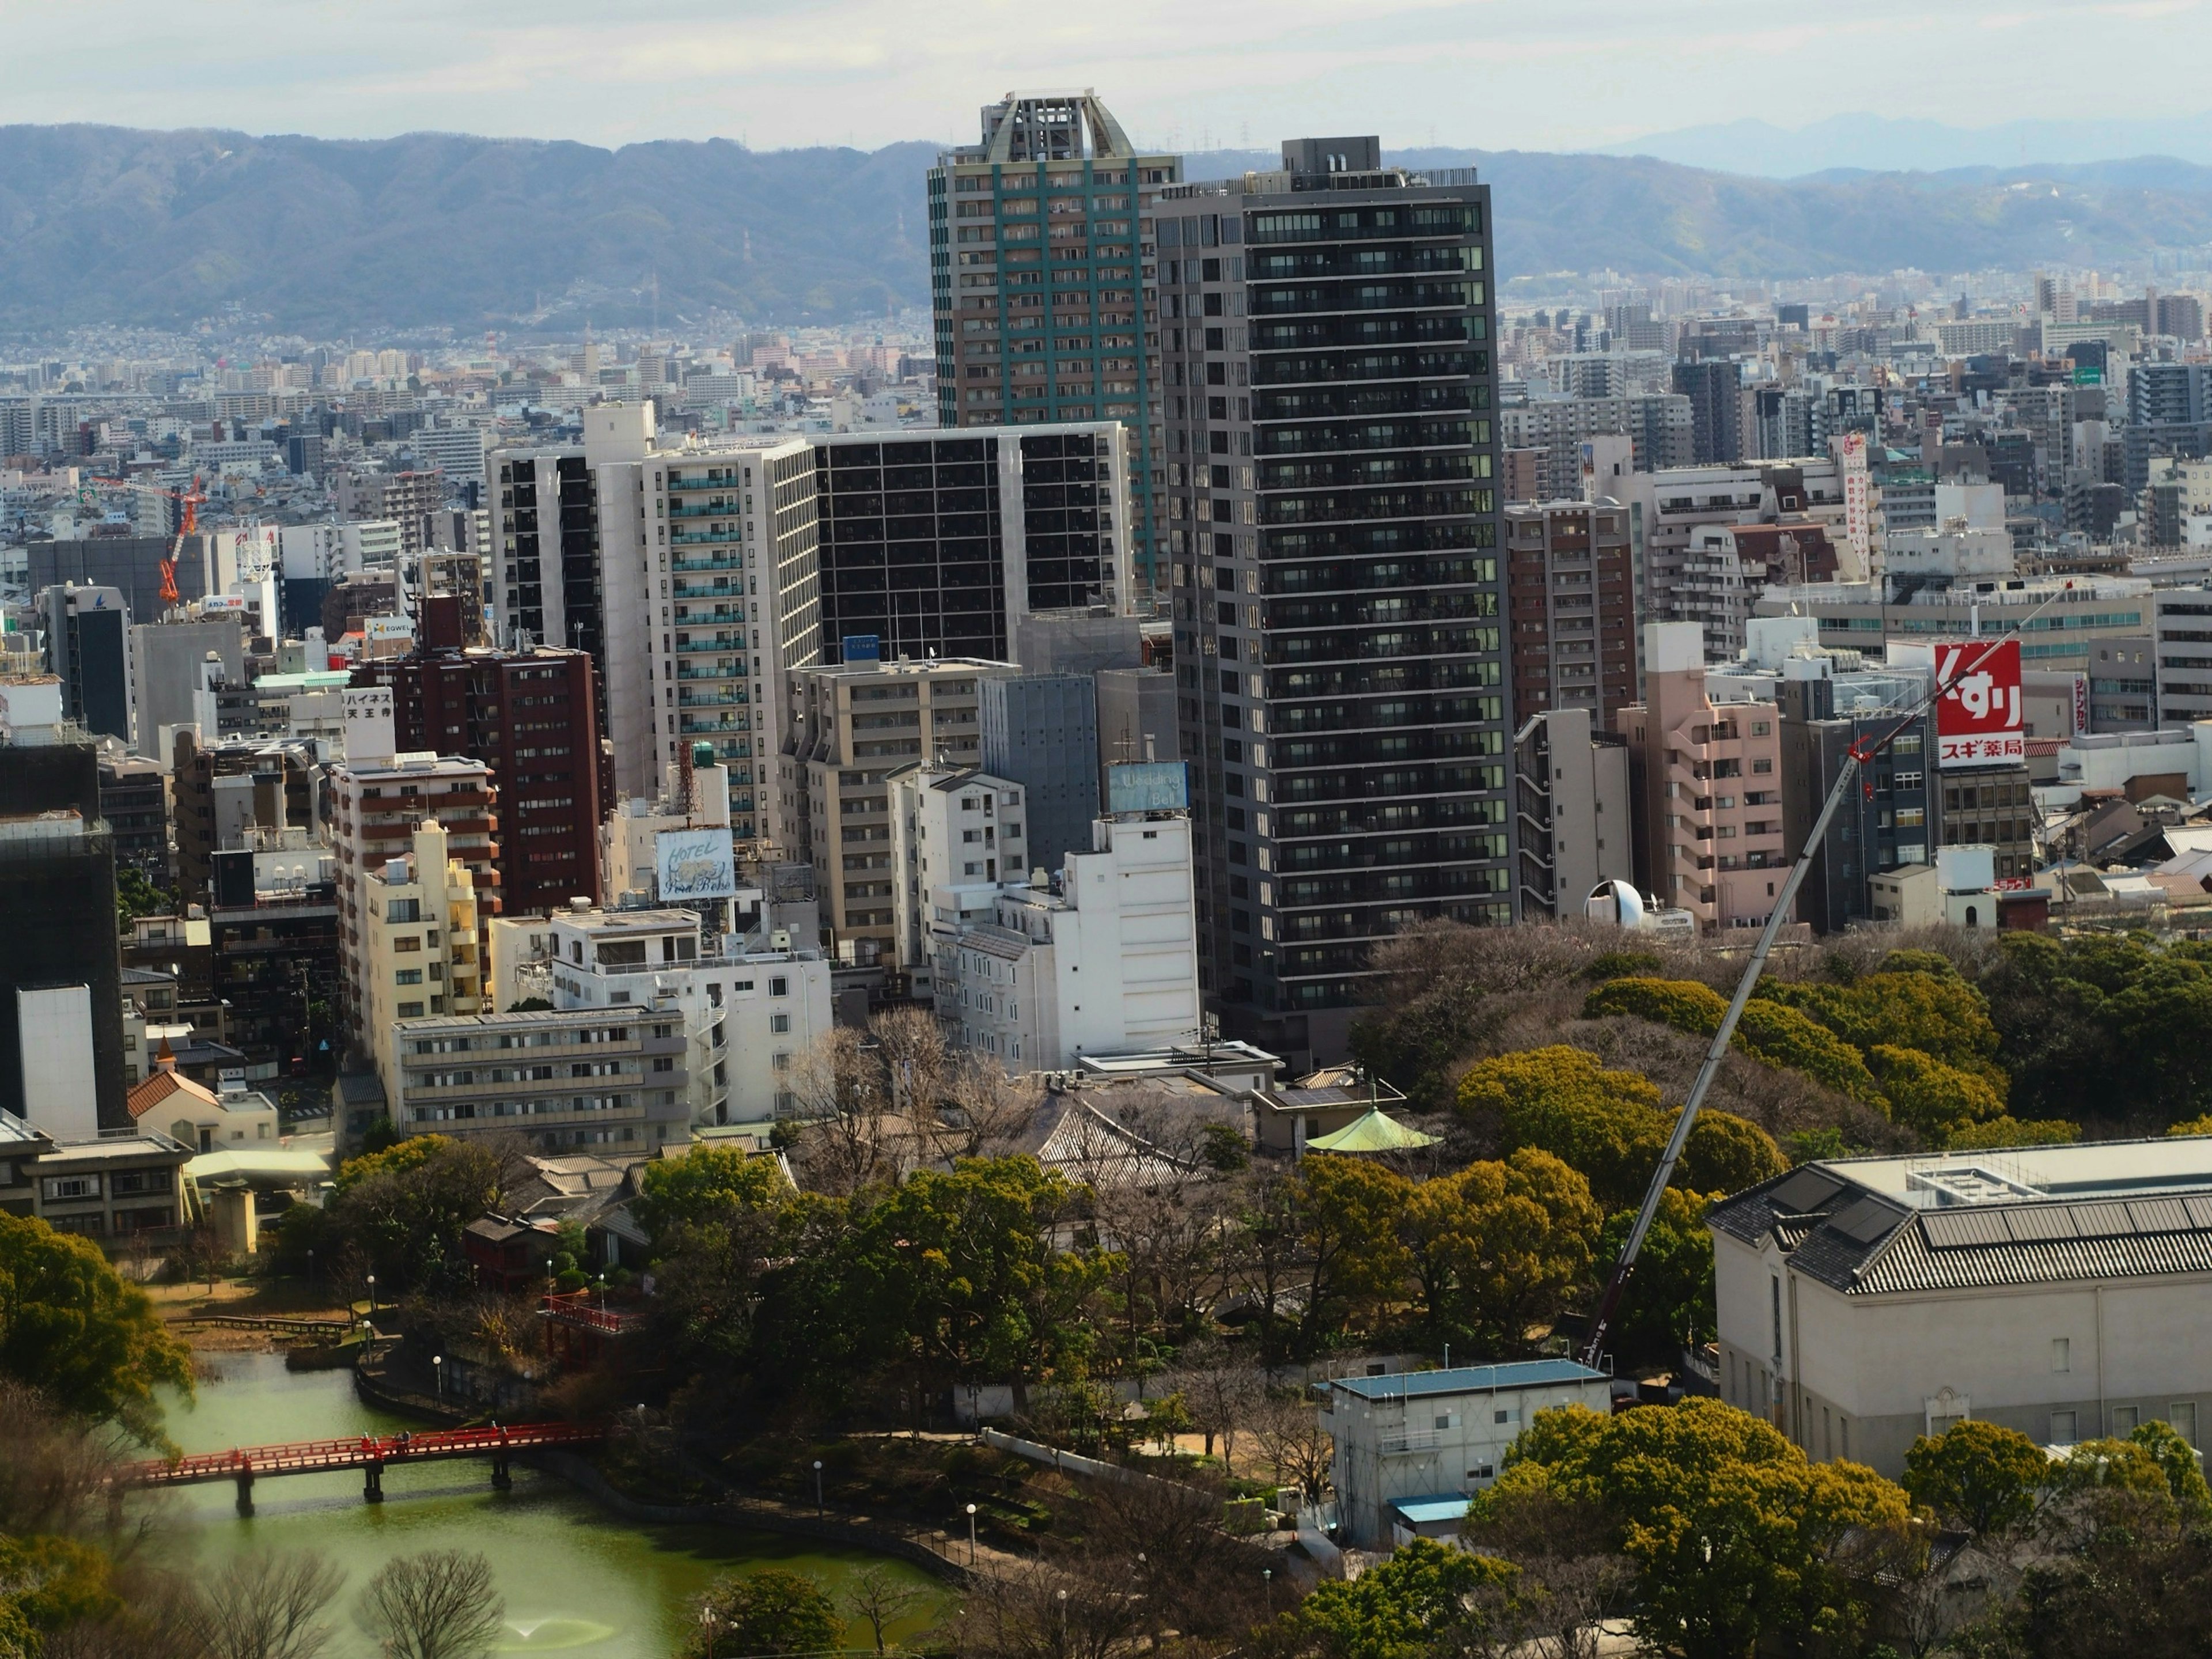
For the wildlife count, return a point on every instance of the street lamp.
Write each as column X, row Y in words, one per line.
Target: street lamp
column 438, row 1371
column 310, row 1268
column 372, row 1296
column 1267, row 1578
column 971, row 1535
column 603, row 1295
column 817, row 1486
column 707, row 1625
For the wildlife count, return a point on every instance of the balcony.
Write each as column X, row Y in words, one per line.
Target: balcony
column 711, row 510
column 719, row 561
column 738, row 694
column 729, row 643
column 699, row 538
column 695, row 614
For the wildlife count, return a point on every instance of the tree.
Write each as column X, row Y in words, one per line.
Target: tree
column 269, row 1605
column 879, row 1598
column 959, row 1274
column 136, row 896
column 404, row 1207
column 1571, row 1579
column 1560, row 1100
column 1736, row 1535
column 1935, row 1100
column 1726, row 1153
column 768, row 1612
column 1355, row 1266
column 72, row 1328
column 1497, row 1247
column 1421, row 1602
column 1669, row 1299
column 1982, row 1476
column 705, row 1185
column 441, row 1604
column 1288, row 1432
column 852, row 1139
column 2177, row 1460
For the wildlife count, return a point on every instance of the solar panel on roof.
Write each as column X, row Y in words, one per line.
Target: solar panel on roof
column 1955, row 1229
column 1867, row 1222
column 2102, row 1220
column 1804, row 1191
column 2038, row 1223
column 2161, row 1215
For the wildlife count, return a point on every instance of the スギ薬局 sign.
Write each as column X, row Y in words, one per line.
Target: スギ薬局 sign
column 1977, row 718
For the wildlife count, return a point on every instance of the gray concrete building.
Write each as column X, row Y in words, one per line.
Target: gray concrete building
column 1573, row 811
column 170, row 656
column 1041, row 731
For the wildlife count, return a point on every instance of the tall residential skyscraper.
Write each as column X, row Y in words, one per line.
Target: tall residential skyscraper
column 1332, row 533
column 1044, row 279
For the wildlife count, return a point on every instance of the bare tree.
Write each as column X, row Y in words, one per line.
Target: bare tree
column 441, row 1604
column 879, row 1598
column 1223, row 1396
column 1290, row 1436
column 853, row 1139
column 269, row 1605
column 984, row 1112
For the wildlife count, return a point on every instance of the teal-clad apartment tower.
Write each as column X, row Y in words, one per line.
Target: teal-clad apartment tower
column 1045, row 282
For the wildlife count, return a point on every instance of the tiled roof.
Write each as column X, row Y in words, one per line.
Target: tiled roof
column 1866, row 1243
column 152, row 1091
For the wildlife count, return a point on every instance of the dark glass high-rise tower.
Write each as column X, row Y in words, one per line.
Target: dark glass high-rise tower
column 1333, row 539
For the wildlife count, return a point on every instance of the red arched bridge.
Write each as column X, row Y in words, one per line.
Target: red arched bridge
column 370, row 1454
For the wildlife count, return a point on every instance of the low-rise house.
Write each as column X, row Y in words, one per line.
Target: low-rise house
column 206, row 1120
column 1317, row 1104
column 1412, row 1448
column 118, row 1189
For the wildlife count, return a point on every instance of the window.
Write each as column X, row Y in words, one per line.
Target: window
column 407, row 977
column 779, row 1023
column 2062, row 1431
column 2124, row 1420
column 1762, row 766
column 2183, row 1415
column 778, row 987
column 411, row 1011
column 410, row 942
column 783, row 1062
column 2061, row 1353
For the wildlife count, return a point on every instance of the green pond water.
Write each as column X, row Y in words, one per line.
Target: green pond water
column 577, row 1580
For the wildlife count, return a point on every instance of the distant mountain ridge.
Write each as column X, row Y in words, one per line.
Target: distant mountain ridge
column 1875, row 144
column 112, row 225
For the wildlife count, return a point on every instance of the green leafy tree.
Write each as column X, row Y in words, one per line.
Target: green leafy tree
column 957, row 1274
column 1669, row 1300
column 1726, row 1153
column 71, row 1328
column 1737, row 1538
column 1981, row 1476
column 2179, row 1461
column 1769, row 1030
column 1607, row 1124
column 1419, row 1602
column 1939, row 1014
column 2012, row 1132
column 1497, row 1249
column 705, row 1185
column 1934, row 1099
column 403, row 1208
column 50, row 1585
column 770, row 1611
column 136, row 896
column 1356, row 1266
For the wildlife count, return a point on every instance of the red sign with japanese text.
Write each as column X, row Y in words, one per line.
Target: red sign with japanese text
column 1977, row 718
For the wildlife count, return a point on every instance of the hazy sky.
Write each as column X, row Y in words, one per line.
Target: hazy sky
column 1495, row 73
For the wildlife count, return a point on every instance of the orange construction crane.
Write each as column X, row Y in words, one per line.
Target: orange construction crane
column 190, row 496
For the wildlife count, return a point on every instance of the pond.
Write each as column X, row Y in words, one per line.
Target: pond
column 577, row 1580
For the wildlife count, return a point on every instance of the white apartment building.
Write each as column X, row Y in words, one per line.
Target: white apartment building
column 420, row 953
column 1101, row 958
column 586, row 1078
column 747, row 1008
column 330, row 552
column 2056, row 1290
column 954, row 829
column 1675, row 503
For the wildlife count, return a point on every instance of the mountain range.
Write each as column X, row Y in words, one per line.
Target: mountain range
column 1879, row 143
column 117, row 226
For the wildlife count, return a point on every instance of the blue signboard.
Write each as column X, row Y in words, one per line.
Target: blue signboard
column 861, row 647
column 1147, row 786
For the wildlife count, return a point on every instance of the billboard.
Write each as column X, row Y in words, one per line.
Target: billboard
column 861, row 647
column 694, row 864
column 2081, row 704
column 1147, row 786
column 1977, row 718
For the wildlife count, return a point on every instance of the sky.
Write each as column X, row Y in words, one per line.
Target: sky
column 1180, row 74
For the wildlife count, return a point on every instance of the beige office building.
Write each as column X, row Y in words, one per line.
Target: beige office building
column 851, row 727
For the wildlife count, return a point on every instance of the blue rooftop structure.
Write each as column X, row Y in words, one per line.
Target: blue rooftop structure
column 1468, row 1379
